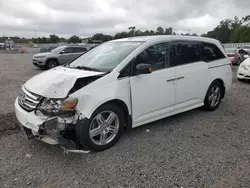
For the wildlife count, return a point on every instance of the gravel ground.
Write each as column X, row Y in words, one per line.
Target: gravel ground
column 193, row 149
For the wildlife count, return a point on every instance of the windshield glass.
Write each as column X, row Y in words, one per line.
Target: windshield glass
column 58, row 49
column 106, row 56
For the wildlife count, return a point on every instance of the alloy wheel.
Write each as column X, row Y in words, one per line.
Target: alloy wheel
column 214, row 96
column 104, row 127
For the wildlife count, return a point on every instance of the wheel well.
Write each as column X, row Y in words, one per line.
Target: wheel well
column 127, row 116
column 223, row 86
column 52, row 59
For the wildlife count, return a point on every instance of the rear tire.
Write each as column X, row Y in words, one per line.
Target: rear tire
column 97, row 133
column 51, row 64
column 213, row 96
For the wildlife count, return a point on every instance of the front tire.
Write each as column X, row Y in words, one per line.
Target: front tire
column 103, row 129
column 213, row 96
column 51, row 64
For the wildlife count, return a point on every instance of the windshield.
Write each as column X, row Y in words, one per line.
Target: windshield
column 106, row 56
column 58, row 49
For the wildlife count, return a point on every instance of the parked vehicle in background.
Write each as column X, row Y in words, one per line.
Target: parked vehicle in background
column 243, row 72
column 125, row 83
column 236, row 56
column 246, row 48
column 2, row 46
column 58, row 56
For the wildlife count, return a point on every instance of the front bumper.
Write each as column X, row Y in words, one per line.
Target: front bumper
column 38, row 62
column 54, row 131
column 243, row 74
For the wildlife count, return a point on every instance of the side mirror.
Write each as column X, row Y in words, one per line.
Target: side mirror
column 143, row 69
column 62, row 52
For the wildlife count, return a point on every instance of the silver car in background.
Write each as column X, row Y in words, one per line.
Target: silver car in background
column 58, row 56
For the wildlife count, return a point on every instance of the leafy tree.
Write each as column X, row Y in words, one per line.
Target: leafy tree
column 160, row 31
column 53, row 39
column 151, row 32
column 169, row 31
column 74, row 39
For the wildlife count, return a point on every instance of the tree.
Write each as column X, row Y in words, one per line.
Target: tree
column 151, row 32
column 160, row 31
column 74, row 39
column 132, row 30
column 97, row 36
column 121, row 35
column 168, row 31
column 53, row 39
column 107, row 38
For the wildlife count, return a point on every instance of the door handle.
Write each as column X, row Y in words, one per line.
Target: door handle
column 171, row 80
column 180, row 77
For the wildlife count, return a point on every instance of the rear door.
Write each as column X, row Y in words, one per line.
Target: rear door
column 78, row 51
column 191, row 74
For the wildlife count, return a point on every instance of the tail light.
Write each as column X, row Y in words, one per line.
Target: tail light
column 231, row 55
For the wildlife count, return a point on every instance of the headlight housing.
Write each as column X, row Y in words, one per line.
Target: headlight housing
column 58, row 107
column 40, row 57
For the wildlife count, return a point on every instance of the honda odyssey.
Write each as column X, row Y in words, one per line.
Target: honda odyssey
column 85, row 105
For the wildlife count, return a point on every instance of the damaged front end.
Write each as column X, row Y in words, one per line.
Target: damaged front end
column 57, row 124
column 49, row 113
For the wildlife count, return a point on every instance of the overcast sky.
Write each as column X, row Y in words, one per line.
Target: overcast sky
column 87, row 17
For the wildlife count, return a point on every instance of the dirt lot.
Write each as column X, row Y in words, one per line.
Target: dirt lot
column 193, row 149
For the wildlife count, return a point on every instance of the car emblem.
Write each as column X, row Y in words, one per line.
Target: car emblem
column 22, row 98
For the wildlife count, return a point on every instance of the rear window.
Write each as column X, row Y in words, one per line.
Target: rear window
column 210, row 52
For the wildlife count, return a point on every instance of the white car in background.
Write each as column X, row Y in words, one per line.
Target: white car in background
column 86, row 104
column 243, row 72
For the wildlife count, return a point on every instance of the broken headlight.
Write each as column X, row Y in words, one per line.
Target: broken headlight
column 52, row 107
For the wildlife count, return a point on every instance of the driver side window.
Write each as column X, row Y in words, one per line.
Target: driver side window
column 156, row 55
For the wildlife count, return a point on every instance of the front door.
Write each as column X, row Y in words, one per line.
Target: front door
column 153, row 95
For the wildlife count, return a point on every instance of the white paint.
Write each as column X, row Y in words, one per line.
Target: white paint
column 244, row 70
column 148, row 97
column 57, row 82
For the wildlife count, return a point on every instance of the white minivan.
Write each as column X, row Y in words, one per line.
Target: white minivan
column 85, row 105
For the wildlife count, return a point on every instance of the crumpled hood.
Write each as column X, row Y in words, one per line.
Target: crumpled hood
column 57, row 82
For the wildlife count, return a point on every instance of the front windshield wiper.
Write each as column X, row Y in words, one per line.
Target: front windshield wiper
column 87, row 68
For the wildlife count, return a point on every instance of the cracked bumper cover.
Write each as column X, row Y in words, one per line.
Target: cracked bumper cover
column 54, row 130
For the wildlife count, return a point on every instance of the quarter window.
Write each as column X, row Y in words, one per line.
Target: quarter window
column 156, row 55
column 185, row 52
column 210, row 52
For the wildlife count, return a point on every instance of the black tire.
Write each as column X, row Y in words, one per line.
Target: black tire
column 51, row 64
column 83, row 126
column 207, row 105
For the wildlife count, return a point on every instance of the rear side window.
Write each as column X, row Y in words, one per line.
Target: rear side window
column 185, row 52
column 210, row 52
column 78, row 50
